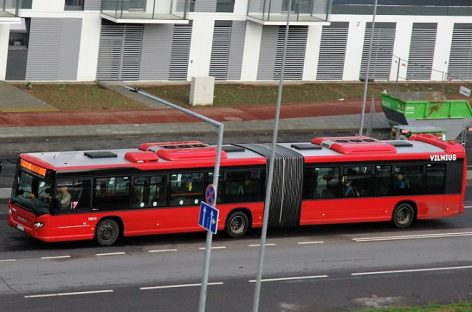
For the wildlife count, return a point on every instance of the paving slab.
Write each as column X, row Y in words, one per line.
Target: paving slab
column 13, row 99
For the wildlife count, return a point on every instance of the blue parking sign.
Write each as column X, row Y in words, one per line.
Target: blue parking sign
column 208, row 218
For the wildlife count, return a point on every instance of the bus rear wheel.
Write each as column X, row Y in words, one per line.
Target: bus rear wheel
column 403, row 215
column 237, row 224
column 107, row 232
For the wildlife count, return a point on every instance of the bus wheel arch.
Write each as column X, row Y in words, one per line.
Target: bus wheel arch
column 108, row 231
column 238, row 222
column 404, row 214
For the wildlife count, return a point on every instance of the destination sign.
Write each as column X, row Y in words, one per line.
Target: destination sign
column 451, row 157
column 32, row 167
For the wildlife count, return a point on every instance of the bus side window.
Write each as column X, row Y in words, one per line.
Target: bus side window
column 111, row 193
column 187, row 188
column 78, row 192
column 383, row 180
column 409, row 179
column 150, row 191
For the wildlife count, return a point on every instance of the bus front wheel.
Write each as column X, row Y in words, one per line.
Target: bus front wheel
column 107, row 232
column 403, row 215
column 237, row 224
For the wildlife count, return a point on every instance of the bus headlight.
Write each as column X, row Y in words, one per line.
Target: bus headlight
column 10, row 212
column 38, row 224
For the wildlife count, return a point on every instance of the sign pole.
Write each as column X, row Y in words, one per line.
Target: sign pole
column 366, row 81
column 209, row 238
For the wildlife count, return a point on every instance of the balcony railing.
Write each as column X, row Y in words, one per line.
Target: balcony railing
column 146, row 11
column 301, row 11
column 9, row 10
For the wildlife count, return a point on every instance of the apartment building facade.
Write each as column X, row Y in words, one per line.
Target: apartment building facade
column 234, row 40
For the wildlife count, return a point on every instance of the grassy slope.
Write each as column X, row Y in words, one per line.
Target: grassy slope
column 73, row 97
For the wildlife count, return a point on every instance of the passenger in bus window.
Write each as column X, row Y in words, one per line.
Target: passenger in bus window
column 348, row 191
column 63, row 197
column 402, row 183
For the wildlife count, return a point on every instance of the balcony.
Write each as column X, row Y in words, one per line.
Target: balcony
column 9, row 11
column 302, row 12
column 146, row 11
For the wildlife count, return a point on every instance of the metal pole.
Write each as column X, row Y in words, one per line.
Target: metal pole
column 265, row 222
column 154, row 8
column 209, row 237
column 371, row 117
column 398, row 73
column 366, row 82
column 216, row 173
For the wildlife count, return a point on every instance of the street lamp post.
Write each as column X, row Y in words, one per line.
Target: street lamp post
column 265, row 222
column 366, row 80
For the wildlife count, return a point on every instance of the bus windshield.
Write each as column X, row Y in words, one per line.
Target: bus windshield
column 32, row 192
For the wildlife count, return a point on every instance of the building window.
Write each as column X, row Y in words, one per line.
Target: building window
column 225, row 6
column 74, row 5
column 19, row 35
column 26, row 4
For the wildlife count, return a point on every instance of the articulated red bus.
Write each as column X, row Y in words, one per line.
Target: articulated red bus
column 157, row 188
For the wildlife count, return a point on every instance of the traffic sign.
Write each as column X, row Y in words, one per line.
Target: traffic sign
column 210, row 195
column 208, row 218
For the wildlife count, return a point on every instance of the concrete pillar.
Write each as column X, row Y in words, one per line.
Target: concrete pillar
column 202, row 90
column 4, row 36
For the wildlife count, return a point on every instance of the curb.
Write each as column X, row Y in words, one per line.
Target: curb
column 322, row 124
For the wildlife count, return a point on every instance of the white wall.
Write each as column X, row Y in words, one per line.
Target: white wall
column 200, row 46
column 89, row 45
column 47, row 5
column 442, row 49
column 312, row 52
column 4, row 36
column 355, row 40
column 401, row 49
column 252, row 47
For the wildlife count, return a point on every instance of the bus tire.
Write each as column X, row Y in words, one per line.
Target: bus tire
column 237, row 224
column 107, row 232
column 403, row 215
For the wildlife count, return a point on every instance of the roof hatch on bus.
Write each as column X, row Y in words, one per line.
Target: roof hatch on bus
column 141, row 157
column 100, row 154
column 355, row 145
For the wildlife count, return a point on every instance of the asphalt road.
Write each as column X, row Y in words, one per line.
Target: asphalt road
column 317, row 268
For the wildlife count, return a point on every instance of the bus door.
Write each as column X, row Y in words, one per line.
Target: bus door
column 187, row 190
column 148, row 204
column 361, row 186
column 72, row 206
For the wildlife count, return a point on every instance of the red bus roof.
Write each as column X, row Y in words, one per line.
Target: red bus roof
column 190, row 154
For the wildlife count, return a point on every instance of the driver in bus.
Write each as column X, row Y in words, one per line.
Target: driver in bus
column 63, row 197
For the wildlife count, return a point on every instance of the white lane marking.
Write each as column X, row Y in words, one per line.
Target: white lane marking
column 290, row 278
column 8, row 260
column 418, row 236
column 162, row 250
column 467, row 207
column 111, row 254
column 179, row 286
column 55, row 257
column 216, row 247
column 259, row 245
column 413, row 270
column 71, row 293
column 309, row 243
